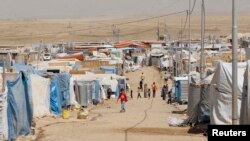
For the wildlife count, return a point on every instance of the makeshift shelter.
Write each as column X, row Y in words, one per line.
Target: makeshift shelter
column 19, row 108
column 59, row 93
column 193, row 102
column 109, row 69
column 199, row 100
column 204, row 104
column 155, row 57
column 88, row 92
column 3, row 115
column 40, row 88
column 221, row 93
column 245, row 110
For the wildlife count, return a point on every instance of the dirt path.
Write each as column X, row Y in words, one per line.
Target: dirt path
column 145, row 120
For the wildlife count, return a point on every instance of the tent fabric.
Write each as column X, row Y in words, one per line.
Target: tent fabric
column 109, row 69
column 204, row 109
column 64, row 84
column 72, row 92
column 19, row 108
column 86, row 92
column 221, row 93
column 59, row 92
column 193, row 102
column 97, row 95
column 3, row 116
column 40, row 88
column 55, row 97
column 245, row 110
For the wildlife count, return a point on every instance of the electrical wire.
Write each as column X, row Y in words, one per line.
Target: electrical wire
column 193, row 7
column 85, row 29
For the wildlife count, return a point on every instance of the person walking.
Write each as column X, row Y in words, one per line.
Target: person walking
column 165, row 77
column 139, row 93
column 109, row 92
column 142, row 77
column 141, row 85
column 154, row 88
column 127, row 88
column 169, row 97
column 145, row 90
column 164, row 92
column 149, row 93
column 123, row 98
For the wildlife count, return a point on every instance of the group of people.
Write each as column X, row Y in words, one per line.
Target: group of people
column 143, row 88
column 166, row 91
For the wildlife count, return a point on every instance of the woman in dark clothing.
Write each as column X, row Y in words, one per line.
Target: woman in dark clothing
column 164, row 92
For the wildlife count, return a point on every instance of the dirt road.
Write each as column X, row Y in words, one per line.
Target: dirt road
column 145, row 120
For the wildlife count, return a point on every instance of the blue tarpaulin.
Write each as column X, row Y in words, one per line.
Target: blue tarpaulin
column 96, row 94
column 19, row 108
column 178, row 91
column 59, row 93
column 26, row 68
column 109, row 69
column 55, row 99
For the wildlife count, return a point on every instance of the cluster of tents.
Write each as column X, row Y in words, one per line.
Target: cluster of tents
column 210, row 100
column 30, row 94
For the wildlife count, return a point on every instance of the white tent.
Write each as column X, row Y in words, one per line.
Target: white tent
column 3, row 115
column 221, row 93
column 40, row 88
column 245, row 110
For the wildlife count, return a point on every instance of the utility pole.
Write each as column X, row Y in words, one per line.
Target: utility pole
column 116, row 33
column 181, row 57
column 189, row 54
column 234, row 65
column 158, row 31
column 31, row 39
column 202, row 57
column 3, row 75
column 69, row 27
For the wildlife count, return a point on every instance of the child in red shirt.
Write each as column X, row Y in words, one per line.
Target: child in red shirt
column 123, row 98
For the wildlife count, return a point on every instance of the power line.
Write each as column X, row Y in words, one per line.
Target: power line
column 184, row 28
column 155, row 17
column 193, row 7
column 78, row 30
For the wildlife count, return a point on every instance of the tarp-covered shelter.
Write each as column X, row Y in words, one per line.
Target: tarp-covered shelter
column 245, row 105
column 20, row 106
column 3, row 115
column 221, row 93
column 109, row 69
column 40, row 88
column 59, row 92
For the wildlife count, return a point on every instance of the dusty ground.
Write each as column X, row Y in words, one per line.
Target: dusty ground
column 50, row 31
column 145, row 119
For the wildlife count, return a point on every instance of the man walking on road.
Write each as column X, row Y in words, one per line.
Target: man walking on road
column 154, row 88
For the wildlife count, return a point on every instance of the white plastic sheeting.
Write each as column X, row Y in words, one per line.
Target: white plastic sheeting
column 72, row 92
column 3, row 115
column 40, row 95
column 221, row 93
column 245, row 110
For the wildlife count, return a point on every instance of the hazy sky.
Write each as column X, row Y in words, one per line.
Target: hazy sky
column 26, row 9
